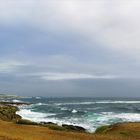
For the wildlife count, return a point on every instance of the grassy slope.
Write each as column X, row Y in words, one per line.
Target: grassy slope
column 124, row 129
column 11, row 131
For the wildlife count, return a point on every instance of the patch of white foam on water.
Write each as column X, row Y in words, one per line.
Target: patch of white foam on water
column 99, row 102
column 16, row 101
column 33, row 116
column 118, row 102
column 39, row 104
column 74, row 111
column 128, row 116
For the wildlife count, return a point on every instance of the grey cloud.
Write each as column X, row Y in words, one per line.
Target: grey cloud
column 114, row 24
column 90, row 42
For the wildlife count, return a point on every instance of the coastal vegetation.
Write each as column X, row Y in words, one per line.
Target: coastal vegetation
column 8, row 112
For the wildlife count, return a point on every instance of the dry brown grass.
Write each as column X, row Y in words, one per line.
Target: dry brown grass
column 11, row 131
column 125, row 129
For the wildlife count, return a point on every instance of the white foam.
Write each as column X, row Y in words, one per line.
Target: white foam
column 16, row 101
column 63, row 109
column 75, row 103
column 74, row 111
column 34, row 116
column 39, row 104
column 100, row 102
column 128, row 116
column 38, row 97
column 118, row 102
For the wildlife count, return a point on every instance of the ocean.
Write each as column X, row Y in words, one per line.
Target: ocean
column 89, row 113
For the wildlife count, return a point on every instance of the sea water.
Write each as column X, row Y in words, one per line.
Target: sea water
column 89, row 113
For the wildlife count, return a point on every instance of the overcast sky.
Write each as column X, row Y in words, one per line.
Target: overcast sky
column 70, row 47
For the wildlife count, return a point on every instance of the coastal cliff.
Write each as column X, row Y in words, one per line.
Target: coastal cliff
column 8, row 111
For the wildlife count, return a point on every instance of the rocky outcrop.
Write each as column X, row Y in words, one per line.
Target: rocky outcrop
column 14, row 103
column 8, row 113
column 8, row 110
column 74, row 128
column 54, row 126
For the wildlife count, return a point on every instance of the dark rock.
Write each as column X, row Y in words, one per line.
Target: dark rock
column 47, row 123
column 74, row 128
column 66, row 127
column 14, row 103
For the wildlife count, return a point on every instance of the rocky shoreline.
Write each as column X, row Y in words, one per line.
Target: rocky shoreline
column 9, row 118
column 8, row 113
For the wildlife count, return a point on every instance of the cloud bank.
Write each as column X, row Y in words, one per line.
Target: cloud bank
column 72, row 76
column 50, row 41
column 114, row 24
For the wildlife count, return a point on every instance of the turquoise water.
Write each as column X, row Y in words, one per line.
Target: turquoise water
column 89, row 113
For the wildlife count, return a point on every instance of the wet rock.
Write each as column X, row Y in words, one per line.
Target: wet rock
column 47, row 123
column 74, row 128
